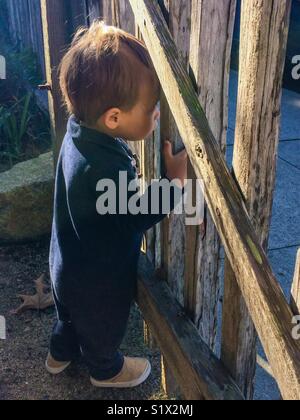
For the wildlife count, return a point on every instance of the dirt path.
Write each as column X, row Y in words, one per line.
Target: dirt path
column 22, row 355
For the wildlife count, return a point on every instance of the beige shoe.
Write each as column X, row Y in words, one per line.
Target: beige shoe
column 134, row 372
column 54, row 367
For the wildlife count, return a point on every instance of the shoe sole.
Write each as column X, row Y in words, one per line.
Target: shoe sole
column 56, row 371
column 130, row 384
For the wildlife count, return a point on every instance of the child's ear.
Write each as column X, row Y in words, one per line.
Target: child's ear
column 111, row 118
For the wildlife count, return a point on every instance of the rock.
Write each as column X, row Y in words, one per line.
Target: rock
column 26, row 200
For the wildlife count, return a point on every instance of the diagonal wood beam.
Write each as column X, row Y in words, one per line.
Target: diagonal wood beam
column 264, row 298
column 197, row 370
column 295, row 298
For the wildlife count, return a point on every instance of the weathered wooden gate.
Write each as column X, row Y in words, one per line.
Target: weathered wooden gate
column 190, row 45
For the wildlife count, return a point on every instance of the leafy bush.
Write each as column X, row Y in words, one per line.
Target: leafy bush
column 14, row 126
column 24, row 126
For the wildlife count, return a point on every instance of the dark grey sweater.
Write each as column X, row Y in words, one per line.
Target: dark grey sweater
column 85, row 246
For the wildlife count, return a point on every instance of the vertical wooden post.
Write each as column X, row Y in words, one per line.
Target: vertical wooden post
column 24, row 26
column 178, row 16
column 56, row 37
column 295, row 299
column 118, row 13
column 151, row 169
column 187, row 256
column 78, row 13
column 210, row 54
column 295, row 306
column 123, row 16
column 264, row 30
column 149, row 152
column 106, row 11
column 94, row 8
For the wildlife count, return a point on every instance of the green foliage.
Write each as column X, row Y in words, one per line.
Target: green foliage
column 24, row 130
column 23, row 66
column 24, row 127
column 13, row 125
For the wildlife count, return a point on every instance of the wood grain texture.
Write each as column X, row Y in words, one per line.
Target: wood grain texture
column 177, row 14
column 295, row 299
column 197, row 370
column 78, row 13
column 210, row 52
column 56, row 38
column 264, row 30
column 262, row 293
column 94, row 9
column 118, row 13
column 123, row 16
column 106, row 11
column 25, row 25
column 148, row 150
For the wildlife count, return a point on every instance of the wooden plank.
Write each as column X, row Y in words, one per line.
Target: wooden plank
column 36, row 32
column 262, row 57
column 210, row 53
column 151, row 169
column 94, row 10
column 177, row 14
column 25, row 27
column 18, row 12
column 237, row 341
column 295, row 298
column 78, row 14
column 264, row 297
column 106, row 11
column 264, row 365
column 148, row 152
column 198, row 371
column 122, row 16
column 12, row 20
column 295, row 306
column 56, row 37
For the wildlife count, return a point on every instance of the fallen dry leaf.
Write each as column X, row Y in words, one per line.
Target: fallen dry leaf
column 39, row 301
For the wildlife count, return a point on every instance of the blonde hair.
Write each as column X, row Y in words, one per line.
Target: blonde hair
column 100, row 71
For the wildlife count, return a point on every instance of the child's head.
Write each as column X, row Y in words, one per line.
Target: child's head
column 109, row 82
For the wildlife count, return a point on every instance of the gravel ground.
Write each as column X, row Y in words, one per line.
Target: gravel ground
column 22, row 355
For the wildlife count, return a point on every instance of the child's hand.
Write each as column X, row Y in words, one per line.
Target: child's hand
column 176, row 165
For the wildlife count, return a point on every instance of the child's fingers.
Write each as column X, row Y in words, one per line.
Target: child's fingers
column 183, row 154
column 168, row 152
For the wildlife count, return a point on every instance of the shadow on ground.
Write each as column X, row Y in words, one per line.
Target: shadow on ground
column 22, row 355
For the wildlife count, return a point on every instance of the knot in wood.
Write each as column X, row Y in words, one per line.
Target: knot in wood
column 199, row 151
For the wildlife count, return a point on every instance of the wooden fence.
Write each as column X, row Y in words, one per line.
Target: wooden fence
column 25, row 26
column 179, row 305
